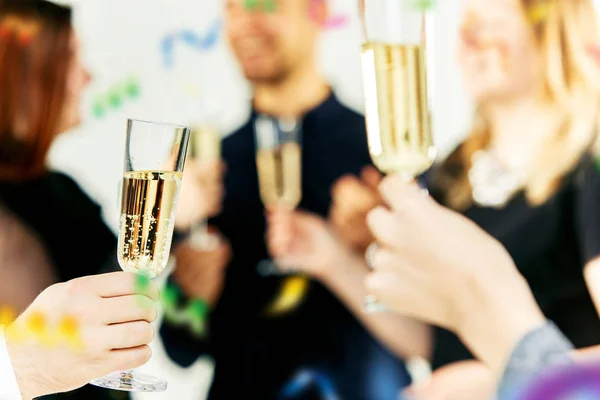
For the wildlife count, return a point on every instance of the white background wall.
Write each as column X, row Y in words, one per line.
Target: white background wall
column 122, row 37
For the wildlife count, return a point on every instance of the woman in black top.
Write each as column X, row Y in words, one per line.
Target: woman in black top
column 526, row 173
column 50, row 230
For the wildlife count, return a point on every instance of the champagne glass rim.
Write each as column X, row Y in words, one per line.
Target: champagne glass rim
column 165, row 124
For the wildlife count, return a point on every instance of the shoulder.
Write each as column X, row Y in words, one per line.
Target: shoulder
column 68, row 190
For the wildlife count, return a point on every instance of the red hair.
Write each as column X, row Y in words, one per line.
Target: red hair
column 35, row 53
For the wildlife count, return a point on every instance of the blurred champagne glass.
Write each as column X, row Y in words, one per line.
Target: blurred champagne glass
column 395, row 87
column 205, row 148
column 279, row 166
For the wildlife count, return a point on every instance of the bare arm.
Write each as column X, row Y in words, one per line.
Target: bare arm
column 404, row 336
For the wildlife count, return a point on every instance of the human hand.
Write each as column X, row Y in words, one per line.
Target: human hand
column 464, row 380
column 201, row 273
column 201, row 194
column 438, row 266
column 302, row 242
column 113, row 323
column 352, row 199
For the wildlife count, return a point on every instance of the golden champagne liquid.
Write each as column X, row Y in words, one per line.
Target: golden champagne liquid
column 148, row 205
column 205, row 144
column 397, row 115
column 279, row 175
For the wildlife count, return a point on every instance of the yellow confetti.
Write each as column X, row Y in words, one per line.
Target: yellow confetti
column 68, row 329
column 36, row 323
column 290, row 296
column 538, row 12
column 37, row 326
column 7, row 315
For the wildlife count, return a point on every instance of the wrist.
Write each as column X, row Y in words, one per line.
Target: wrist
column 501, row 314
column 339, row 266
column 29, row 381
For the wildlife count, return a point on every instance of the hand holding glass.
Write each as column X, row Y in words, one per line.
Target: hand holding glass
column 154, row 160
column 395, row 86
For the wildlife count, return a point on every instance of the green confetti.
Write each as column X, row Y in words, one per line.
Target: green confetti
column 114, row 98
column 170, row 295
column 269, row 6
column 132, row 88
column 142, row 282
column 250, row 5
column 198, row 309
column 424, row 5
column 99, row 107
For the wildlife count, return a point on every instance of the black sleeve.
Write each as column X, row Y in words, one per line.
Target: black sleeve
column 94, row 251
column 587, row 213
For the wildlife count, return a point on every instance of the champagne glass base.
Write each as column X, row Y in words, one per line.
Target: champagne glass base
column 131, row 381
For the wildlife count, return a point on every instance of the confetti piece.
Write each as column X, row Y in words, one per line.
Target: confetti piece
column 424, row 5
column 538, row 12
column 290, row 296
column 36, row 323
column 269, row 6
column 132, row 88
column 68, row 329
column 7, row 315
column 142, row 282
column 114, row 98
column 169, row 296
column 266, row 5
column 99, row 108
column 198, row 309
column 37, row 326
column 317, row 12
column 198, row 42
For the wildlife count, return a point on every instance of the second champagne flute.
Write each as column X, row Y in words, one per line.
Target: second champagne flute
column 205, row 147
column 395, row 88
column 154, row 160
column 279, row 166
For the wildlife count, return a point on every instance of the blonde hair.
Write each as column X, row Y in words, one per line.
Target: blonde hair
column 565, row 31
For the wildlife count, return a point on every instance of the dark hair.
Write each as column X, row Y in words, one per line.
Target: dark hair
column 35, row 53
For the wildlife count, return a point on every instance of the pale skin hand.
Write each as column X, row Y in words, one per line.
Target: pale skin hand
column 437, row 266
column 201, row 193
column 201, row 273
column 303, row 242
column 114, row 327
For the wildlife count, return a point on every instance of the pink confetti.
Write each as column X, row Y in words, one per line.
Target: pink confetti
column 336, row 21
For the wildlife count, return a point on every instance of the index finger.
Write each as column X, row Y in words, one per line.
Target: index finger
column 121, row 284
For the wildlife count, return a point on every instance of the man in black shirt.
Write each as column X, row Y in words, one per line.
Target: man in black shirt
column 258, row 356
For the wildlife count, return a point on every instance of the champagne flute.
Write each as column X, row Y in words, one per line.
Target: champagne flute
column 395, row 87
column 279, row 166
column 154, row 160
column 205, row 147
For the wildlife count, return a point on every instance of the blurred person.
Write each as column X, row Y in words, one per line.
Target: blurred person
column 50, row 230
column 256, row 355
column 526, row 172
column 114, row 326
column 439, row 285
